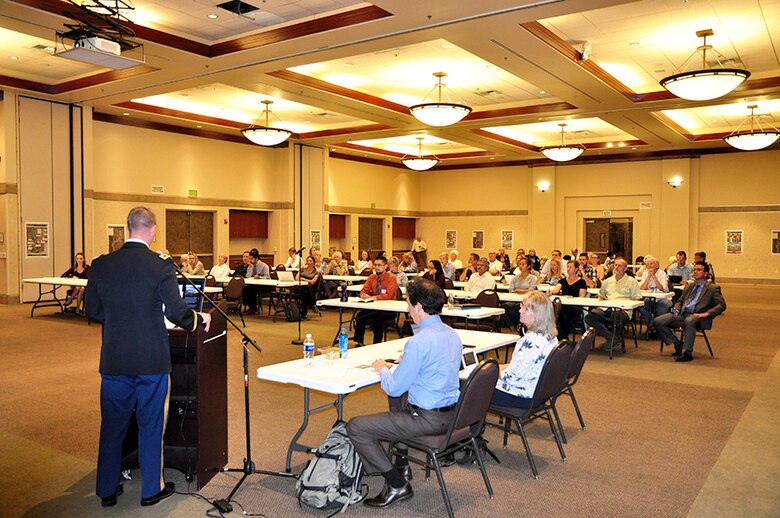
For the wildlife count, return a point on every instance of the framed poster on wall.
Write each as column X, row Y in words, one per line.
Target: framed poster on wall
column 507, row 239
column 477, row 239
column 733, row 242
column 116, row 237
column 37, row 239
column 314, row 238
column 776, row 242
column 450, row 239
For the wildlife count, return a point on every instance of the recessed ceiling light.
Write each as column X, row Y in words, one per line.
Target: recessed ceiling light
column 212, row 16
column 198, row 126
column 542, row 92
column 13, row 58
column 125, row 114
column 633, row 44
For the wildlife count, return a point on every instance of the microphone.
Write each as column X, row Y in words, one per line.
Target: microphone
column 300, row 250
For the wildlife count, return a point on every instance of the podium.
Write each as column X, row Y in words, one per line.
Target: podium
column 196, row 436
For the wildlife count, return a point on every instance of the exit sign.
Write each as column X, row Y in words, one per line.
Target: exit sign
column 192, row 193
column 606, row 213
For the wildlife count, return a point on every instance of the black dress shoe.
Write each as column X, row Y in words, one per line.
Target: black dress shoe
column 406, row 472
column 684, row 357
column 677, row 349
column 390, row 495
column 468, row 458
column 448, row 460
column 165, row 493
column 108, row 501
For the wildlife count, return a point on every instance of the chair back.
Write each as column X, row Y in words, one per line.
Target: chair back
column 557, row 304
column 280, row 268
column 365, row 273
column 235, row 288
column 579, row 355
column 552, row 379
column 475, row 395
column 448, row 284
column 273, row 275
column 350, row 270
column 209, row 280
column 488, row 299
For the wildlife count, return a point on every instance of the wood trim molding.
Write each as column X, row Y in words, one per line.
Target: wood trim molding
column 76, row 84
column 184, row 200
column 9, row 299
column 333, row 209
column 738, row 208
column 9, row 188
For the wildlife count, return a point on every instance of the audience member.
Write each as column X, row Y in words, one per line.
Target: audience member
column 293, row 262
column 422, row 392
column 80, row 270
column 256, row 269
column 408, row 264
column 700, row 302
column 570, row 286
column 364, row 263
column 594, row 263
column 481, row 279
column 495, row 266
column 311, row 277
column 506, row 263
column 241, row 269
column 470, row 268
column 653, row 279
column 446, row 265
column 587, row 272
column 702, row 257
column 536, row 263
column 380, row 285
column 556, row 256
column 435, row 273
column 334, row 267
column 457, row 263
column 419, row 252
column 681, row 268
column 184, row 261
column 553, row 274
column 618, row 286
column 221, row 269
column 609, row 261
column 194, row 266
column 524, row 281
column 400, row 277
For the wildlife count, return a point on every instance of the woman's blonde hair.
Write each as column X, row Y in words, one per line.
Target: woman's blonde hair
column 544, row 314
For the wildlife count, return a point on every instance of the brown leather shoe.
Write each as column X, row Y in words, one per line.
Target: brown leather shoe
column 390, row 495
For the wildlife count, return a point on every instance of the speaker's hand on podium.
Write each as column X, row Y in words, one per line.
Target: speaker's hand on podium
column 206, row 320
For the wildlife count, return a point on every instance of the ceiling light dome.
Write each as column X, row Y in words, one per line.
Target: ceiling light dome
column 419, row 162
column 439, row 113
column 707, row 83
column 564, row 152
column 266, row 135
column 756, row 138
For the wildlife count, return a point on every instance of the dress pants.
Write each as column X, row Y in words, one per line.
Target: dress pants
column 598, row 319
column 401, row 422
column 664, row 323
column 378, row 319
column 567, row 321
column 654, row 307
column 119, row 396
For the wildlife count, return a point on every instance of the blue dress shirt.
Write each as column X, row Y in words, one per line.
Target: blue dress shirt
column 429, row 368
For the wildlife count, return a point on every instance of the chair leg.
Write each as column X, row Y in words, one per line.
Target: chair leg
column 442, row 485
column 560, row 426
column 576, row 406
column 555, row 435
column 527, row 449
column 707, row 341
column 481, row 463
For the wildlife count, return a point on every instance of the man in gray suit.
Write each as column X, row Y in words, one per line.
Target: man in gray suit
column 700, row 302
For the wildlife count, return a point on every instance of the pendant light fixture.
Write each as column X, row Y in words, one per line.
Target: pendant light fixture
column 439, row 113
column 419, row 162
column 756, row 138
column 564, row 152
column 266, row 135
column 707, row 83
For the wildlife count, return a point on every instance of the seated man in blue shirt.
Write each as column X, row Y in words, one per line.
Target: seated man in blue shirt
column 422, row 392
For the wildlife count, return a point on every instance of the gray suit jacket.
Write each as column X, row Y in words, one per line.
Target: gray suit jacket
column 710, row 301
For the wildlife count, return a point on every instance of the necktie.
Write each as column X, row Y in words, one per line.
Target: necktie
column 378, row 285
column 695, row 298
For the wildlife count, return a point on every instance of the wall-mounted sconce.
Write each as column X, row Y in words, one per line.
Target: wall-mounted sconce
column 543, row 185
column 675, row 182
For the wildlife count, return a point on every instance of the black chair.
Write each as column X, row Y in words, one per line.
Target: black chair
column 234, row 294
column 557, row 304
column 551, row 380
column 578, row 357
column 699, row 329
column 489, row 299
column 448, row 284
column 470, row 410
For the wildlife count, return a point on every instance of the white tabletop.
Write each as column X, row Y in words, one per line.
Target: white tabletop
column 591, row 302
column 648, row 294
column 60, row 281
column 345, row 278
column 400, row 306
column 345, row 376
column 461, row 285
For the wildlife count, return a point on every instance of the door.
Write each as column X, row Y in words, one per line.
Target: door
column 610, row 234
column 370, row 234
column 190, row 231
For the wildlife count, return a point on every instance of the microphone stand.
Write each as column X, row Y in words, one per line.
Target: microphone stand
column 298, row 341
column 223, row 504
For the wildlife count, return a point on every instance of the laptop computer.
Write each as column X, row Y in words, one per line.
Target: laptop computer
column 285, row 276
column 675, row 279
column 190, row 295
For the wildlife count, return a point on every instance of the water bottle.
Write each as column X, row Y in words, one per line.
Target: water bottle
column 344, row 296
column 343, row 343
column 308, row 349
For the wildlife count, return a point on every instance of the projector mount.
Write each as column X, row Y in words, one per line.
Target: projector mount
column 100, row 19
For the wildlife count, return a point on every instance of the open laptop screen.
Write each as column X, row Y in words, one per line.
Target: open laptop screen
column 190, row 295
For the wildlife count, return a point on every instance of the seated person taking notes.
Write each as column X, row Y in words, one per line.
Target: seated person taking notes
column 380, row 285
column 422, row 393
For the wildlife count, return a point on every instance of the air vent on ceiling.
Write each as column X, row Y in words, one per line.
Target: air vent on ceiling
column 237, row 7
column 488, row 93
column 323, row 114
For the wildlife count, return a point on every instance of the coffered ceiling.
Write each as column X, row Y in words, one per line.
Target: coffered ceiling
column 342, row 73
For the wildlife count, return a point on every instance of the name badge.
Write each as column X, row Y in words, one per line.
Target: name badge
column 384, row 292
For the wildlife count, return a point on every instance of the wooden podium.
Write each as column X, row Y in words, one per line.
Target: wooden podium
column 196, row 436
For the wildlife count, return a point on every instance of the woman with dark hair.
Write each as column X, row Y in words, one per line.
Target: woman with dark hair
column 572, row 286
column 435, row 273
column 309, row 275
column 80, row 270
column 364, row 263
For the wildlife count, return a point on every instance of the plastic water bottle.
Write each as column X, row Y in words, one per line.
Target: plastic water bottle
column 343, row 343
column 344, row 296
column 308, row 349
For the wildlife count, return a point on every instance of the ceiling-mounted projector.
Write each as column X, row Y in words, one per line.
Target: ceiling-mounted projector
column 99, row 44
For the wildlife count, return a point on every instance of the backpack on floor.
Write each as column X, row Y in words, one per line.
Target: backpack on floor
column 291, row 311
column 332, row 479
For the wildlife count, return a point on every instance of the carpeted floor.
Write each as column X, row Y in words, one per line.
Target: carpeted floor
column 655, row 429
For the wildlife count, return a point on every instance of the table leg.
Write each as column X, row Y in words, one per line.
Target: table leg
column 46, row 303
column 294, row 444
